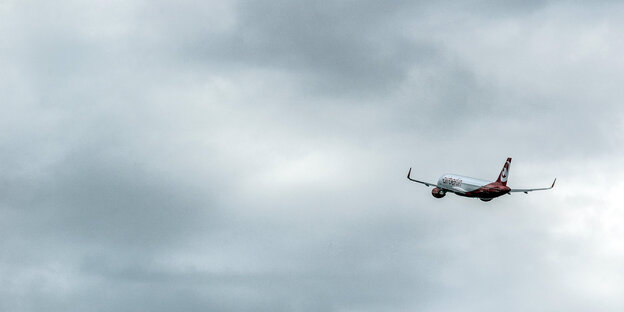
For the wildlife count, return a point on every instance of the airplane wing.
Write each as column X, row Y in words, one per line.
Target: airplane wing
column 425, row 183
column 526, row 191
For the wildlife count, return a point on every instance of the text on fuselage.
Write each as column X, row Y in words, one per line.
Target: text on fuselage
column 451, row 181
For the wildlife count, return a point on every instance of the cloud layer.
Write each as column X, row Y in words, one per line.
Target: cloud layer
column 251, row 156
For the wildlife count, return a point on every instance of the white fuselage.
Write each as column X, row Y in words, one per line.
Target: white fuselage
column 460, row 184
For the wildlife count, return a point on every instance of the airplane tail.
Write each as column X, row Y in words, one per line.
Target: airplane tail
column 504, row 174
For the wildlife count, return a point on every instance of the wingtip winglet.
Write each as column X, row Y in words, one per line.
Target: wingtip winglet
column 409, row 172
column 553, row 185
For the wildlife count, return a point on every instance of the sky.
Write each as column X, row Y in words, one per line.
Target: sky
column 251, row 155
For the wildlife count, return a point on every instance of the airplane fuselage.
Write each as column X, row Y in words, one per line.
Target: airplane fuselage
column 471, row 187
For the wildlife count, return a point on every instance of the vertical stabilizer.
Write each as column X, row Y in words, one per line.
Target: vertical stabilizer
column 504, row 174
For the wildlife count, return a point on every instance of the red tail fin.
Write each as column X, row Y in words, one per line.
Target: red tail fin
column 504, row 174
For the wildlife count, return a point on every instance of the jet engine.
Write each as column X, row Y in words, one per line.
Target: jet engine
column 485, row 199
column 437, row 192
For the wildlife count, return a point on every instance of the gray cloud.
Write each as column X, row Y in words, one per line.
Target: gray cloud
column 251, row 156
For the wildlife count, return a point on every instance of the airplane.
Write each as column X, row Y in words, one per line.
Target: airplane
column 471, row 187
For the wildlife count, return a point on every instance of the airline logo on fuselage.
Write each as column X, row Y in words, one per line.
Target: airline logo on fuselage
column 452, row 181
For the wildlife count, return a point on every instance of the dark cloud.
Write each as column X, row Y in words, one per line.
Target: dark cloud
column 336, row 48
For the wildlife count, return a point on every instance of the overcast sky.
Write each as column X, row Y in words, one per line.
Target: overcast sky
column 251, row 155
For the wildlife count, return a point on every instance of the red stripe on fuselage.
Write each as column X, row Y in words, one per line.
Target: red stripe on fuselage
column 492, row 190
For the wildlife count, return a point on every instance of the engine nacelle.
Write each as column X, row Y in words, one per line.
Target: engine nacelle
column 437, row 192
column 485, row 199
